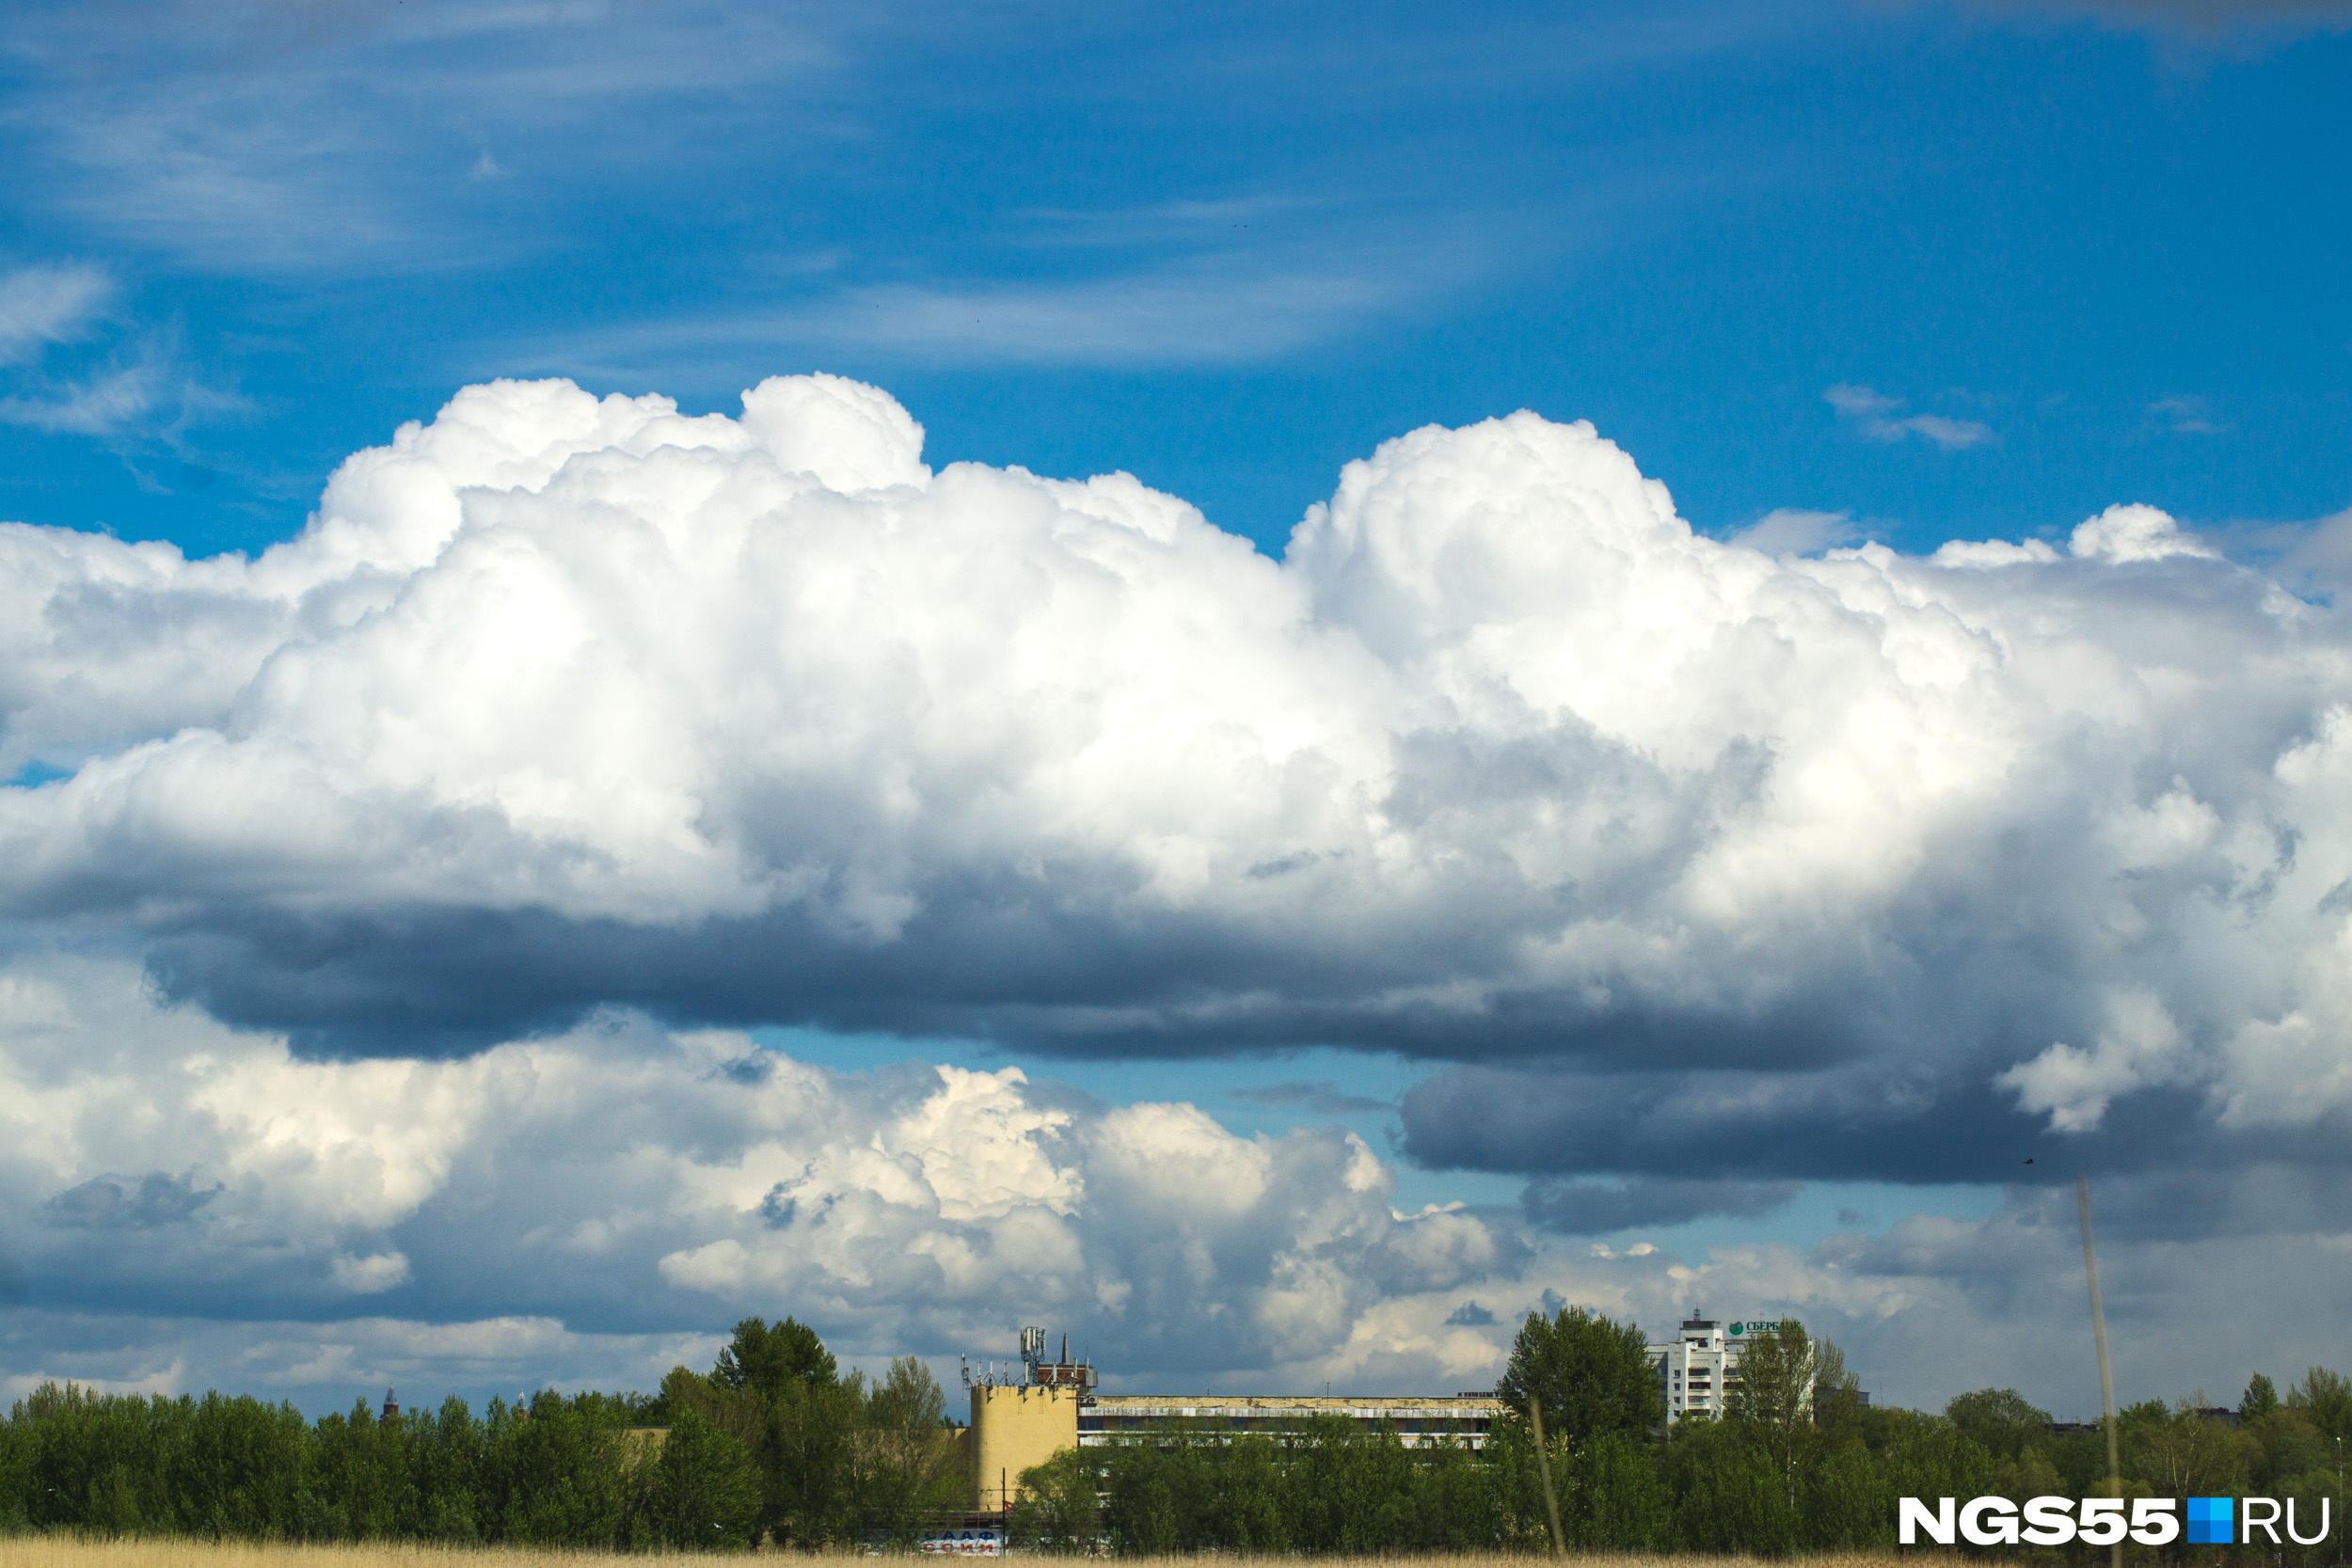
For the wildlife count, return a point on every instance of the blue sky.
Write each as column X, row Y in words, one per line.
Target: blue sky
column 1224, row 250
column 1718, row 965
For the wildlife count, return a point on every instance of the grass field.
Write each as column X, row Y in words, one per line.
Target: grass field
column 59, row 1551
column 49, row 1551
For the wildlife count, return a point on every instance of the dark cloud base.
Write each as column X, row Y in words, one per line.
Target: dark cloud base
column 1596, row 1209
column 1687, row 1127
column 1886, row 1076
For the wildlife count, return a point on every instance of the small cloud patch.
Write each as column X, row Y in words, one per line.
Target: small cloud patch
column 1881, row 417
column 2183, row 417
column 370, row 1275
column 1790, row 530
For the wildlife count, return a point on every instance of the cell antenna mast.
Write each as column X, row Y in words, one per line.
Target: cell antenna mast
column 2107, row 1378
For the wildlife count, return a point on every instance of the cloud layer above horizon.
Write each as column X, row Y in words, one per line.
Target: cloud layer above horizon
column 621, row 1179
column 386, row 910
column 185, row 1205
column 1692, row 858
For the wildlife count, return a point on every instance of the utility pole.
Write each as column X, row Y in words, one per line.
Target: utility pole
column 1543, row 1473
column 2107, row 1378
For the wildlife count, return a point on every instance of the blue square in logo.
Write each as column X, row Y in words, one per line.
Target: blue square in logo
column 2209, row 1522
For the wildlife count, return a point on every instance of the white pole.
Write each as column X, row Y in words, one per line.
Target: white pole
column 2107, row 1378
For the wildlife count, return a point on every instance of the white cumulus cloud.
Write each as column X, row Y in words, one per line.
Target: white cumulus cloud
column 626, row 1178
column 200, row 1207
column 1670, row 843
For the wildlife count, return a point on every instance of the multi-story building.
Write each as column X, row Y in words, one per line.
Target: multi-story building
column 1697, row 1371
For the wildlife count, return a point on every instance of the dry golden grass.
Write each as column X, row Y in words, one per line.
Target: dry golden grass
column 57, row 1551
column 62, row 1551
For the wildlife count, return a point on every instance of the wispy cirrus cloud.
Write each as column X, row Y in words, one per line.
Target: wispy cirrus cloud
column 77, row 367
column 2183, row 416
column 2236, row 21
column 144, row 390
column 1164, row 318
column 1227, row 303
column 45, row 305
column 1881, row 417
column 256, row 137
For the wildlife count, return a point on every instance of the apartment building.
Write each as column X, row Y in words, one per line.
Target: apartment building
column 1698, row 1368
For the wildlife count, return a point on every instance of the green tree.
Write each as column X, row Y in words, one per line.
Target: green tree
column 448, row 1456
column 905, row 1463
column 1614, row 1500
column 1349, row 1489
column 2183, row 1454
column 1249, row 1509
column 16, row 1473
column 2286, row 1446
column 235, row 1468
column 1061, row 1509
column 2312, row 1491
column 1460, row 1502
column 811, row 1427
column 1843, row 1503
column 1780, row 1369
column 2000, row 1418
column 2325, row 1400
column 1145, row 1480
column 768, row 1358
column 1591, row 1374
column 2260, row 1399
column 703, row 1492
column 559, row 1474
column 779, row 1393
column 1729, row 1492
column 361, row 1470
column 742, row 1413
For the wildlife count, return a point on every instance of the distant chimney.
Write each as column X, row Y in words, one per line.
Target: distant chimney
column 392, row 1409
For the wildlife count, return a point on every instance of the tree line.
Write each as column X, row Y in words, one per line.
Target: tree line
column 775, row 1442
column 1797, row 1464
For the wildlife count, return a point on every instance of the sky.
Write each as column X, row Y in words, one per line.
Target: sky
column 1267, row 685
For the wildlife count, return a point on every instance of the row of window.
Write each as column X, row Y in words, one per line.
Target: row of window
column 1464, row 1424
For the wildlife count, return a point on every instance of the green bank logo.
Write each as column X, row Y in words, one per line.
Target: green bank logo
column 2100, row 1521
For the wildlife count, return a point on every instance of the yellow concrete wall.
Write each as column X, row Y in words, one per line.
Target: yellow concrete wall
column 1013, row 1428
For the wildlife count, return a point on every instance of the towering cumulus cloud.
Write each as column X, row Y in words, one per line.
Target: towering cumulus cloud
column 1679, row 857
